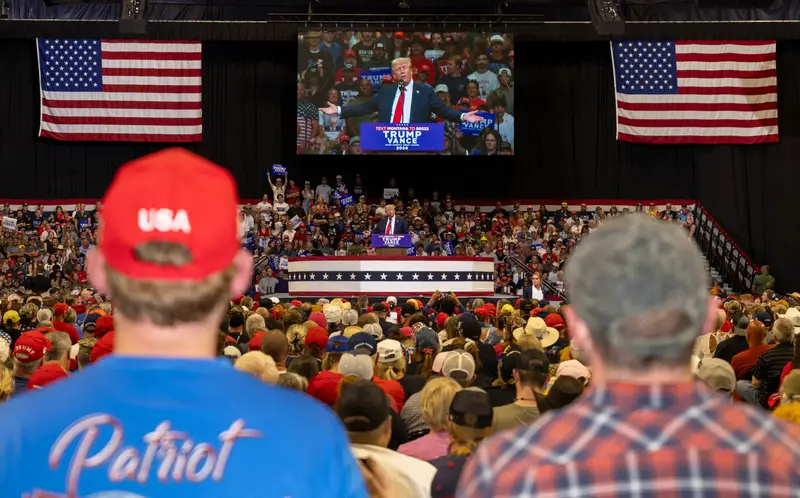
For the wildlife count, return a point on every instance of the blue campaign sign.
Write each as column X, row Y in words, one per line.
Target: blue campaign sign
column 413, row 137
column 476, row 128
column 278, row 169
column 399, row 240
column 375, row 76
column 346, row 200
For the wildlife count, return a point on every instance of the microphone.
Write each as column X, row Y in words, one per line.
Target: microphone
column 401, row 84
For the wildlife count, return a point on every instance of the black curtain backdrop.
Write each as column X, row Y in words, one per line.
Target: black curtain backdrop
column 565, row 136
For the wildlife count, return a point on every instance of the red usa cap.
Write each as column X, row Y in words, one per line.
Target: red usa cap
column 171, row 196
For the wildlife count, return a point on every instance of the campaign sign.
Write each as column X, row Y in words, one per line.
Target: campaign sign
column 413, row 137
column 9, row 223
column 347, row 200
column 476, row 128
column 391, row 193
column 383, row 240
column 278, row 169
column 375, row 76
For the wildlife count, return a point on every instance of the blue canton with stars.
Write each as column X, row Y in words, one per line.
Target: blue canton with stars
column 71, row 64
column 645, row 67
column 389, row 276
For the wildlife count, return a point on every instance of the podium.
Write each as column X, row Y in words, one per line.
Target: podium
column 391, row 245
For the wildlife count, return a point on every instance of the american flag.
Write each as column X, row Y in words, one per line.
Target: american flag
column 120, row 90
column 708, row 92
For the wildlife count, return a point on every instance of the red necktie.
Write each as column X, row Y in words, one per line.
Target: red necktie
column 389, row 220
column 398, row 109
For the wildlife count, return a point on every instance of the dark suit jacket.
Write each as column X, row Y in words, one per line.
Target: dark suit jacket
column 400, row 225
column 423, row 102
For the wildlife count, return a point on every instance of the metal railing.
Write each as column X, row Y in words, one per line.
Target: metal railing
column 734, row 265
column 529, row 271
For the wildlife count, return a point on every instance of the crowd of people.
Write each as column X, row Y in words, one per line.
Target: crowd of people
column 469, row 71
column 644, row 379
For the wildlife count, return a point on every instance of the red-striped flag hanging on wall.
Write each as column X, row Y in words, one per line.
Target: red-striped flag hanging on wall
column 706, row 92
column 120, row 90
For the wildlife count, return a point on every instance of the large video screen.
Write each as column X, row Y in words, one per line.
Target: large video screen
column 373, row 92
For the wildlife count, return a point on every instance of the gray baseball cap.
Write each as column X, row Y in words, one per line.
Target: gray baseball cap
column 640, row 286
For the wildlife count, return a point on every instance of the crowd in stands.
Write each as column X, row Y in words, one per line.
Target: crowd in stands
column 644, row 379
column 468, row 71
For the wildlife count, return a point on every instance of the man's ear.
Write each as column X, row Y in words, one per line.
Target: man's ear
column 243, row 273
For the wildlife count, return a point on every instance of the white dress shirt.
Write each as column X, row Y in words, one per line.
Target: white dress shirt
column 409, row 89
column 390, row 224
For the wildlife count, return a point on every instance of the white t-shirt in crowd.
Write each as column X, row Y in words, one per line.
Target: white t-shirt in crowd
column 324, row 191
column 289, row 233
column 247, row 224
column 276, row 190
column 487, row 82
column 281, row 207
column 261, row 206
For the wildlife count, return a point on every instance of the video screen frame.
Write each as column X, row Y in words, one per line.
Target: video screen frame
column 470, row 72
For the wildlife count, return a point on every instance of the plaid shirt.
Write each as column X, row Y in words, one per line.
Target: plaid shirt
column 628, row 440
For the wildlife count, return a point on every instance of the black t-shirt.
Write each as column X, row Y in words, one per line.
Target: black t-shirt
column 457, row 86
column 348, row 91
column 730, row 347
column 307, row 59
column 412, row 384
column 364, row 52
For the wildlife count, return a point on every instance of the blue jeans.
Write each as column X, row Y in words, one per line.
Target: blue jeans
column 748, row 392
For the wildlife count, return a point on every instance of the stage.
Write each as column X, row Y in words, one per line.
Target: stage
column 381, row 276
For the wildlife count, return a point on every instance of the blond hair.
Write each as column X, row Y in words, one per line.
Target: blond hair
column 6, row 383
column 401, row 60
column 435, row 401
column 260, row 365
column 529, row 341
column 392, row 371
column 168, row 303
column 293, row 381
column 296, row 335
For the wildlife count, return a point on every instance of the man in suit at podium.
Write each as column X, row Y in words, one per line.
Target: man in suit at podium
column 405, row 101
column 391, row 224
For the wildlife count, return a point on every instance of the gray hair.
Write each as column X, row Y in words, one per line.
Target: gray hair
column 783, row 331
column 60, row 346
column 640, row 287
column 254, row 323
column 293, row 381
column 44, row 315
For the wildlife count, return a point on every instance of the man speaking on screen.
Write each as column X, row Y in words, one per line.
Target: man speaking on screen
column 391, row 224
column 403, row 101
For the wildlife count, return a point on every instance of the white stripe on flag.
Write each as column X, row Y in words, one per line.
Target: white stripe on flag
column 151, row 80
column 746, row 115
column 126, row 97
column 698, row 131
column 154, row 64
column 696, row 99
column 732, row 82
column 729, row 48
column 127, row 129
column 726, row 66
column 128, row 113
column 109, row 46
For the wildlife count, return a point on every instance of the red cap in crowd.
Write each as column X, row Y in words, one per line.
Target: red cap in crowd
column 343, row 138
column 555, row 321
column 46, row 374
column 387, row 78
column 318, row 336
column 349, row 53
column 297, row 303
column 424, row 68
column 103, row 325
column 481, row 312
column 171, row 196
column 255, row 342
column 103, row 347
column 31, row 346
column 60, row 308
column 406, row 331
column 319, row 318
column 441, row 318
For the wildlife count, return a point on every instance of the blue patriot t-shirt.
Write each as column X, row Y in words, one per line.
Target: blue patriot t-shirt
column 151, row 427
